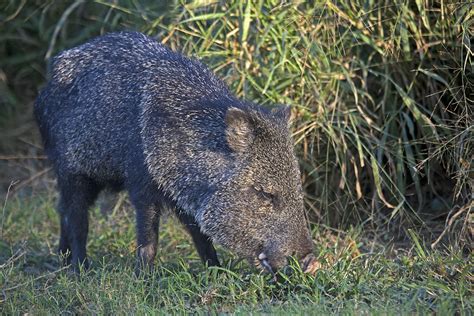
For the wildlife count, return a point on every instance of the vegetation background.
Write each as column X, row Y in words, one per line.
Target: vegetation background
column 382, row 100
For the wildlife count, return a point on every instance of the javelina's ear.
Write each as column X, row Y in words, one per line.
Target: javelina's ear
column 283, row 112
column 240, row 130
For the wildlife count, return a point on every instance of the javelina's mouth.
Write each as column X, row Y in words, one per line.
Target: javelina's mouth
column 262, row 258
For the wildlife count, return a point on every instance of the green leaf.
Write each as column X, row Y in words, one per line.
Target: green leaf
column 203, row 17
column 246, row 23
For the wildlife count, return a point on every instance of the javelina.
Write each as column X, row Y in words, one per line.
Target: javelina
column 126, row 112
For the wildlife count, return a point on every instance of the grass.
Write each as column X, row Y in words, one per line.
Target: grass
column 383, row 122
column 354, row 280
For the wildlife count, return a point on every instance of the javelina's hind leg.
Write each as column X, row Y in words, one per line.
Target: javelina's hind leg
column 64, row 250
column 148, row 221
column 202, row 242
column 76, row 196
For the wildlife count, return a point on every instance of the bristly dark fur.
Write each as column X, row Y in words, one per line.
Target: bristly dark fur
column 124, row 111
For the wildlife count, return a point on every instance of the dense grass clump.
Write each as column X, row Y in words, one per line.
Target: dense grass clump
column 382, row 104
column 357, row 276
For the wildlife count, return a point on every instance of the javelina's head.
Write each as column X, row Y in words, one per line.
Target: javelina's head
column 259, row 213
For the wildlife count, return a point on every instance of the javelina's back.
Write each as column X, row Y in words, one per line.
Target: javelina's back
column 89, row 114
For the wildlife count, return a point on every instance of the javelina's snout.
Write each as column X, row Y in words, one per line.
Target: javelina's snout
column 275, row 256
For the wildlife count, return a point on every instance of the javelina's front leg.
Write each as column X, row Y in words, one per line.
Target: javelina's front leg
column 148, row 221
column 144, row 199
column 202, row 242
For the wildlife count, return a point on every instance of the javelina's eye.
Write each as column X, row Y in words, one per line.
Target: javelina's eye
column 270, row 197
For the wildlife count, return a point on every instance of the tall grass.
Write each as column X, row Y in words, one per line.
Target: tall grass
column 381, row 91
